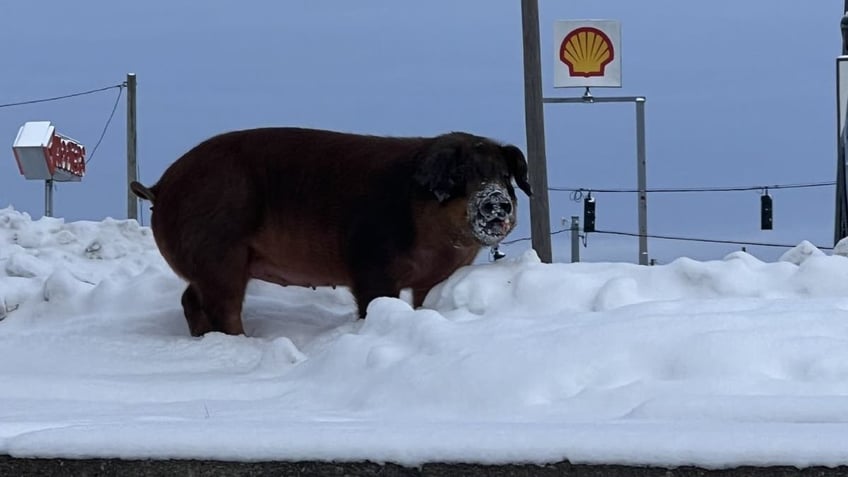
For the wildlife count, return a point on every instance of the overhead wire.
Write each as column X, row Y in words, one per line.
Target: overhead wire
column 693, row 239
column 120, row 87
column 57, row 98
column 577, row 192
column 669, row 237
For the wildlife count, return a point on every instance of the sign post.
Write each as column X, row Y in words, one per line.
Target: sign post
column 44, row 154
column 588, row 54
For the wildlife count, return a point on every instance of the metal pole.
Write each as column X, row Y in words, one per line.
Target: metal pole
column 540, row 220
column 642, row 181
column 132, row 200
column 575, row 239
column 843, row 25
column 840, row 225
column 48, row 198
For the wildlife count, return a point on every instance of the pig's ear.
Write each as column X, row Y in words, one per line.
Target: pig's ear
column 440, row 169
column 517, row 165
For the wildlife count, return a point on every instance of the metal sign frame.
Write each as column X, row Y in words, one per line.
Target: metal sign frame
column 641, row 163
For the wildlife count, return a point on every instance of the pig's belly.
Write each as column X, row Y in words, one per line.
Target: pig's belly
column 286, row 276
column 301, row 257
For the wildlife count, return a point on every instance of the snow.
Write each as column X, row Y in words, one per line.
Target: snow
column 717, row 363
column 34, row 134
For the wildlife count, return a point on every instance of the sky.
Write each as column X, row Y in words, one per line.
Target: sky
column 719, row 363
column 738, row 94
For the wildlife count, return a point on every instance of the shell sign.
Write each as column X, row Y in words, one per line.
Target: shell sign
column 588, row 53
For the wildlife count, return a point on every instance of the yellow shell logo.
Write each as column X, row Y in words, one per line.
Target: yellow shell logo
column 587, row 51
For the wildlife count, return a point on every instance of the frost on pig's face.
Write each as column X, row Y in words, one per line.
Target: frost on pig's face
column 491, row 213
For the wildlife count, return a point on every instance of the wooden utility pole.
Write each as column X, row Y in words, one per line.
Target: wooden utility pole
column 132, row 167
column 540, row 220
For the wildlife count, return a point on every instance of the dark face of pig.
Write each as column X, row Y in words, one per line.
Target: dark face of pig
column 462, row 167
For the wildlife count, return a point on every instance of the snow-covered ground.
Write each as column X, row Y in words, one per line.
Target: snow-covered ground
column 716, row 363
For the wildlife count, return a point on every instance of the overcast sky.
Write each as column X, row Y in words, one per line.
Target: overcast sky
column 738, row 94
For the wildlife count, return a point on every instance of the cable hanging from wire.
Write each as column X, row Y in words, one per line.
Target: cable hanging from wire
column 524, row 239
column 57, row 98
column 108, row 122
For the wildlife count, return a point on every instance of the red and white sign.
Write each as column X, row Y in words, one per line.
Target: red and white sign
column 42, row 153
column 588, row 53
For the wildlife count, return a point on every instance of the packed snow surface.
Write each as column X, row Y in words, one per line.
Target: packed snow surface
column 714, row 363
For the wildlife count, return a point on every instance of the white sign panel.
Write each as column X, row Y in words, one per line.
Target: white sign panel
column 588, row 53
column 842, row 87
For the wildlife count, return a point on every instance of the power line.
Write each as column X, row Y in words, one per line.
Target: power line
column 667, row 237
column 691, row 239
column 56, row 98
column 73, row 95
column 698, row 189
column 524, row 239
column 108, row 122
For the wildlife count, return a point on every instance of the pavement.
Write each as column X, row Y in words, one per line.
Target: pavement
column 27, row 467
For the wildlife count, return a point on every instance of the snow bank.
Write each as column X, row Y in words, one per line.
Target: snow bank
column 715, row 363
